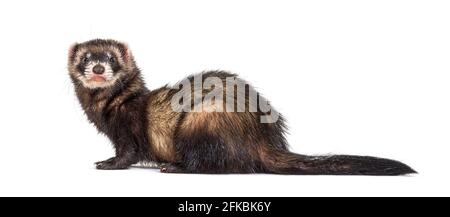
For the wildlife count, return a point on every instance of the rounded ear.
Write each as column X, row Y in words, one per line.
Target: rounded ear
column 126, row 53
column 73, row 50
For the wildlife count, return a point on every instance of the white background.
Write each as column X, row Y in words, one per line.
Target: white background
column 353, row 77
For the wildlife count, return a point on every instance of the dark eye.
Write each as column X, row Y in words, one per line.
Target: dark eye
column 85, row 60
column 112, row 60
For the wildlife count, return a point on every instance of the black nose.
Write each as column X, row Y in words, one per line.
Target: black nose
column 98, row 69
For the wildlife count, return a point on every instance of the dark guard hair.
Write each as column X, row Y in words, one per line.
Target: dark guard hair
column 143, row 126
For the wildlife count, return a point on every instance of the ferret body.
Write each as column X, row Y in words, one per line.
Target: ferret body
column 145, row 125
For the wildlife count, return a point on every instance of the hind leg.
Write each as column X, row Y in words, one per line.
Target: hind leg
column 206, row 143
column 200, row 152
column 210, row 154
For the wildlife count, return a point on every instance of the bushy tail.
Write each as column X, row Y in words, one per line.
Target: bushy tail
column 291, row 163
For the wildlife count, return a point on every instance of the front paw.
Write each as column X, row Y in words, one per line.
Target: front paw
column 111, row 164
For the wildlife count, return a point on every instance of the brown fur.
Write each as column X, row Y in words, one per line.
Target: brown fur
column 162, row 124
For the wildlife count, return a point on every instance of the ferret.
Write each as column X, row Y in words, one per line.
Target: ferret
column 228, row 134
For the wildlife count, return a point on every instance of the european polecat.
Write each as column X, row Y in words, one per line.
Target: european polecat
column 212, row 122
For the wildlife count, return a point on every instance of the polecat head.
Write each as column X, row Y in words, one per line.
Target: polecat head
column 100, row 63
